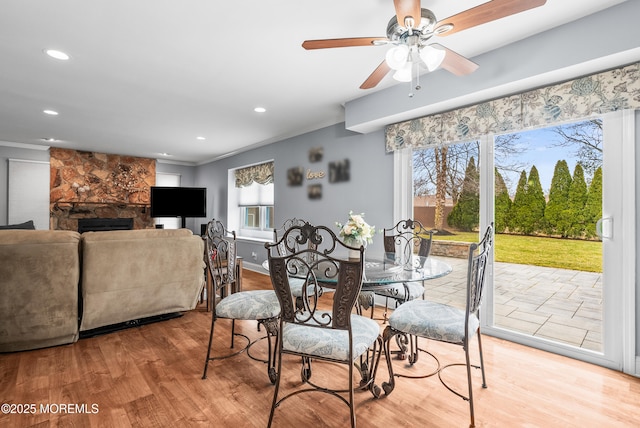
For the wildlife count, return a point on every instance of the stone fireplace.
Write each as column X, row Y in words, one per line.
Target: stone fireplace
column 101, row 186
column 103, row 224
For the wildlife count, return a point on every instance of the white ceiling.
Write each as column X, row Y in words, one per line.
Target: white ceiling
column 149, row 76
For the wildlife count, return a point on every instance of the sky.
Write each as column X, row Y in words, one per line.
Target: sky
column 541, row 151
column 539, row 147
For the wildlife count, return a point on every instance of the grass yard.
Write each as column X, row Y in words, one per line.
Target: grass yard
column 550, row 252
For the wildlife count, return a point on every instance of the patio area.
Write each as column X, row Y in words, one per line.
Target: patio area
column 557, row 304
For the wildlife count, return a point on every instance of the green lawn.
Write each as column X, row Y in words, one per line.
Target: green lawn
column 549, row 252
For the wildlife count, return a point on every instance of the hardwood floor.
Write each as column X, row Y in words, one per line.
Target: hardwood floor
column 150, row 376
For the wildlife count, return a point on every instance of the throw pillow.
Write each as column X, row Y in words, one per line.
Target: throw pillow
column 26, row 225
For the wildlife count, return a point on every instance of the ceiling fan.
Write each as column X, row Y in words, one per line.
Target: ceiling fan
column 411, row 30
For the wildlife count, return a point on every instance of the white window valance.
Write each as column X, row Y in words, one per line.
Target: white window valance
column 600, row 93
column 261, row 174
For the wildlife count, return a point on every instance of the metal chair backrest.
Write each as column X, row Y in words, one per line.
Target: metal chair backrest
column 221, row 254
column 310, row 252
column 407, row 238
column 476, row 277
column 278, row 233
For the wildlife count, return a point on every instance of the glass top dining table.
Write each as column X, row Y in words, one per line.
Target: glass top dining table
column 387, row 269
column 380, row 272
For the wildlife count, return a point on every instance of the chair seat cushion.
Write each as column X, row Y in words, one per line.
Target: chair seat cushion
column 398, row 292
column 249, row 305
column 432, row 320
column 328, row 343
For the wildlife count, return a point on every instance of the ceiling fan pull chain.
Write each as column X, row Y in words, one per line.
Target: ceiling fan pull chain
column 411, row 82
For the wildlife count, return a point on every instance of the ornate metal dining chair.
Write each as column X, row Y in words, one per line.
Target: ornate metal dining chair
column 228, row 302
column 443, row 323
column 402, row 241
column 334, row 335
column 296, row 284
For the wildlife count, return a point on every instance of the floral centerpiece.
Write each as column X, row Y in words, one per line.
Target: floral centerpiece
column 356, row 231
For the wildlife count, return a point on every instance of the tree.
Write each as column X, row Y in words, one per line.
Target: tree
column 536, row 200
column 440, row 171
column 502, row 204
column 519, row 204
column 465, row 214
column 586, row 138
column 527, row 211
column 593, row 205
column 555, row 213
column 441, row 186
column 576, row 202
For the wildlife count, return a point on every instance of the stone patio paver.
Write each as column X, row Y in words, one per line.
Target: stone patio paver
column 557, row 304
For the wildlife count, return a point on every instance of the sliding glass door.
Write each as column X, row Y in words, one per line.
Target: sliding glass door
column 559, row 209
column 559, row 199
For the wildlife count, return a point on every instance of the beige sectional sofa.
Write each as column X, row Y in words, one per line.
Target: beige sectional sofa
column 56, row 284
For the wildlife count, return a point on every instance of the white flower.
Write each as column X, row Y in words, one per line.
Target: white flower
column 357, row 219
column 356, row 230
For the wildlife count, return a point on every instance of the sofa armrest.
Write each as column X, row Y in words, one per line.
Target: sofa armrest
column 39, row 274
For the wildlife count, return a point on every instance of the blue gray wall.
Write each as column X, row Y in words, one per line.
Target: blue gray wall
column 369, row 190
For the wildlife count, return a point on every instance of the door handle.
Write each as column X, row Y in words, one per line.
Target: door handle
column 604, row 228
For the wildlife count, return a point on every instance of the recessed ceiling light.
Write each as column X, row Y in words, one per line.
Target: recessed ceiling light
column 50, row 112
column 259, row 109
column 200, row 138
column 50, row 140
column 57, row 54
column 165, row 154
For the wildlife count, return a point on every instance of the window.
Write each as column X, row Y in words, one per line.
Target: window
column 257, row 217
column 256, row 208
column 251, row 201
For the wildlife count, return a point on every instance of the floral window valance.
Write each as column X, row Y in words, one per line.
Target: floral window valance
column 597, row 94
column 261, row 174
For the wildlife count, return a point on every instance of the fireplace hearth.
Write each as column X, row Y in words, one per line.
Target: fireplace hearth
column 104, row 224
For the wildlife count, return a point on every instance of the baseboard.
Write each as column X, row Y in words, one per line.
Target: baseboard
column 128, row 324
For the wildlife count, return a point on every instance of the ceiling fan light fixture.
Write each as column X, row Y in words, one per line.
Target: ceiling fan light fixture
column 397, row 56
column 405, row 73
column 432, row 57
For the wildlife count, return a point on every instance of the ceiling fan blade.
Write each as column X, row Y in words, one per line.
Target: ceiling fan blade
column 341, row 43
column 456, row 63
column 408, row 8
column 486, row 12
column 377, row 75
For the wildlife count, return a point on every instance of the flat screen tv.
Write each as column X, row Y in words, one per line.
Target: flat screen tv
column 178, row 202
